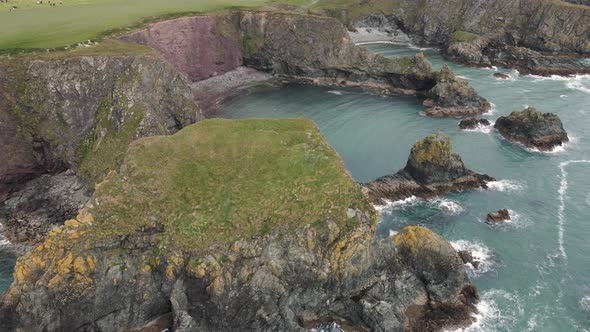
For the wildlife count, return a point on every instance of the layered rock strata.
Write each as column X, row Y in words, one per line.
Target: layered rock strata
column 432, row 170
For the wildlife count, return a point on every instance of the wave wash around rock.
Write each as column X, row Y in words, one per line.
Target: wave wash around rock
column 254, row 219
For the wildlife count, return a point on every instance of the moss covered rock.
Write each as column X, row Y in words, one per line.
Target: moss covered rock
column 543, row 131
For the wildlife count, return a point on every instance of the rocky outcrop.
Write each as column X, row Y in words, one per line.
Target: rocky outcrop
column 501, row 76
column 467, row 257
column 201, row 237
column 543, row 131
column 432, row 170
column 540, row 37
column 42, row 204
column 452, row 96
column 78, row 113
column 498, row 216
column 303, row 48
column 473, row 123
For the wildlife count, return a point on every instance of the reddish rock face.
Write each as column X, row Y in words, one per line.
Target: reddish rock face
column 200, row 47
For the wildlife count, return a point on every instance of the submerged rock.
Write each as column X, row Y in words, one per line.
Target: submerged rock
column 501, row 76
column 472, row 123
column 543, row 131
column 432, row 170
column 278, row 238
column 452, row 96
column 467, row 257
column 498, row 216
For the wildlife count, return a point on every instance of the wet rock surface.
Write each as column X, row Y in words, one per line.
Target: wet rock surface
column 543, row 131
column 467, row 257
column 42, row 204
column 498, row 216
column 473, row 123
column 501, row 76
column 432, row 170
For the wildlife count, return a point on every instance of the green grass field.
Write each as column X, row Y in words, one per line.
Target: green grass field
column 40, row 26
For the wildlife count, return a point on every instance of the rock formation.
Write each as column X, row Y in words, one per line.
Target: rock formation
column 498, row 216
column 543, row 37
column 42, row 204
column 467, row 257
column 303, row 48
column 472, row 123
column 452, row 96
column 278, row 238
column 501, row 76
column 543, row 131
column 71, row 112
column 432, row 170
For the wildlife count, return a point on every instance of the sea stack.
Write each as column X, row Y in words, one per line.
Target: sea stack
column 543, row 131
column 432, row 170
column 452, row 96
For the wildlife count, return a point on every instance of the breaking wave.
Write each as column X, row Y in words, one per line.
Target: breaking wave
column 480, row 252
column 504, row 185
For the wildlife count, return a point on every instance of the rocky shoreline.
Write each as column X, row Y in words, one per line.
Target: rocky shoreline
column 490, row 33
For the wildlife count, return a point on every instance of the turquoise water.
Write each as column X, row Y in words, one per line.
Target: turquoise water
column 7, row 260
column 535, row 274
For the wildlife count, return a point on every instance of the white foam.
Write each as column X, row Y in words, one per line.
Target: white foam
column 393, row 233
column 585, row 303
column 464, row 77
column 562, row 96
column 504, row 185
column 480, row 253
column 336, row 92
column 557, row 149
column 391, row 205
column 579, row 85
column 482, row 128
column 449, row 207
column 492, row 110
column 490, row 314
column 563, row 185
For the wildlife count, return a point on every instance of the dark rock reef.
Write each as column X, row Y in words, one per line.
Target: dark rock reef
column 498, row 216
column 467, row 257
column 543, row 131
column 472, row 123
column 452, row 96
column 155, row 240
column 432, row 170
column 543, row 37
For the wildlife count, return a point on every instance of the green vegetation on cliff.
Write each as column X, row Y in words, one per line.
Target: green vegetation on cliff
column 462, row 37
column 220, row 180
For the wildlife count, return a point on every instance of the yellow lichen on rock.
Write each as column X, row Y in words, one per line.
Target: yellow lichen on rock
column 434, row 149
column 415, row 237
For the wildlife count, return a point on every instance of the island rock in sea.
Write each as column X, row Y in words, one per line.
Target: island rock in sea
column 247, row 225
column 432, row 170
column 452, row 96
column 543, row 131
column 498, row 216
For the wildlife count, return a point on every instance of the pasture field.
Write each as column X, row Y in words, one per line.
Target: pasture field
column 42, row 26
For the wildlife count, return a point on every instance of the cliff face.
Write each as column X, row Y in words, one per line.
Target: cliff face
column 79, row 113
column 522, row 34
column 279, row 238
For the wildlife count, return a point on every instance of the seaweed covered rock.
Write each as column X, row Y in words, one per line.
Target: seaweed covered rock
column 472, row 123
column 543, row 131
column 432, row 170
column 253, row 219
column 452, row 96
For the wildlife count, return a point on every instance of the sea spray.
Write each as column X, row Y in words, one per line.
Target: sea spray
column 480, row 252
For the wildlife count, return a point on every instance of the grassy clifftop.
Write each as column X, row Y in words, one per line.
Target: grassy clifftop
column 220, row 180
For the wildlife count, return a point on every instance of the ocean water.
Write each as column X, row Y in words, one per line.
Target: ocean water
column 535, row 271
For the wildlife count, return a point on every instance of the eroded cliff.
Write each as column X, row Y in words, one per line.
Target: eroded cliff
column 279, row 238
